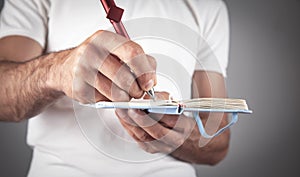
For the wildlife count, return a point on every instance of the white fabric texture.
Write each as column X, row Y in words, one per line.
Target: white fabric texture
column 61, row 148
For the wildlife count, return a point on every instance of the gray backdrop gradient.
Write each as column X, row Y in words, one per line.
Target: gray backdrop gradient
column 264, row 69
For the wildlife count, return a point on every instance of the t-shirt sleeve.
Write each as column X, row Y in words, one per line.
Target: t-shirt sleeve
column 25, row 18
column 214, row 45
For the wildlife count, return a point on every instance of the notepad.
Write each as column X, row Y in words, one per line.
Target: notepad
column 173, row 107
column 178, row 107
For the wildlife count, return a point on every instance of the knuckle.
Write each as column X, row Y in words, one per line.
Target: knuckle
column 133, row 49
column 152, row 61
column 94, row 36
column 99, row 32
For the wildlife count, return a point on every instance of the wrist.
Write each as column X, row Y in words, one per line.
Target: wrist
column 56, row 71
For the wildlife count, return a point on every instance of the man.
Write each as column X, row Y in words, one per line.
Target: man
column 53, row 52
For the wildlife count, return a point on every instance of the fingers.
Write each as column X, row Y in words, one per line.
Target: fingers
column 131, row 54
column 123, row 116
column 111, row 85
column 141, row 65
column 107, row 88
column 144, row 140
column 137, row 133
column 121, row 75
column 151, row 135
column 169, row 121
column 156, row 130
column 102, row 84
column 116, row 67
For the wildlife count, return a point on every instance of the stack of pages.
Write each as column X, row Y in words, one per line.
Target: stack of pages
column 177, row 107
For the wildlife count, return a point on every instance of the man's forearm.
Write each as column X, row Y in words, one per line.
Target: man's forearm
column 102, row 67
column 197, row 149
column 25, row 89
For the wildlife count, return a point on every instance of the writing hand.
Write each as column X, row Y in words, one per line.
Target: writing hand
column 104, row 67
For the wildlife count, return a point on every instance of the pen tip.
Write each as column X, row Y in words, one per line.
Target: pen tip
column 151, row 93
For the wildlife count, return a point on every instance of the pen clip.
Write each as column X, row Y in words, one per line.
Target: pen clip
column 115, row 13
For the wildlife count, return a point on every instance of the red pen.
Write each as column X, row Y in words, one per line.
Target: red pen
column 114, row 14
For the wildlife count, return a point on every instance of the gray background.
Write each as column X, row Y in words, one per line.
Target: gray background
column 264, row 69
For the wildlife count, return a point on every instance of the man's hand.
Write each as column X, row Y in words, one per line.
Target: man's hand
column 156, row 133
column 175, row 135
column 179, row 135
column 106, row 66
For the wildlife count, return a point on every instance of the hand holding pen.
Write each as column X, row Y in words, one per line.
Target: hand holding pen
column 105, row 67
column 114, row 14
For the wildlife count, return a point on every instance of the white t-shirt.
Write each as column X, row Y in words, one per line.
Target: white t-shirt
column 72, row 140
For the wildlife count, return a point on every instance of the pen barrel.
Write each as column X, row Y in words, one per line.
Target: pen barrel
column 114, row 14
column 120, row 29
column 118, row 25
column 107, row 4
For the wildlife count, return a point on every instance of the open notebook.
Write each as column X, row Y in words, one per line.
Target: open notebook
column 226, row 105
column 178, row 107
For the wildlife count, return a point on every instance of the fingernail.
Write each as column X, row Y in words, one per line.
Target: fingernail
column 149, row 85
